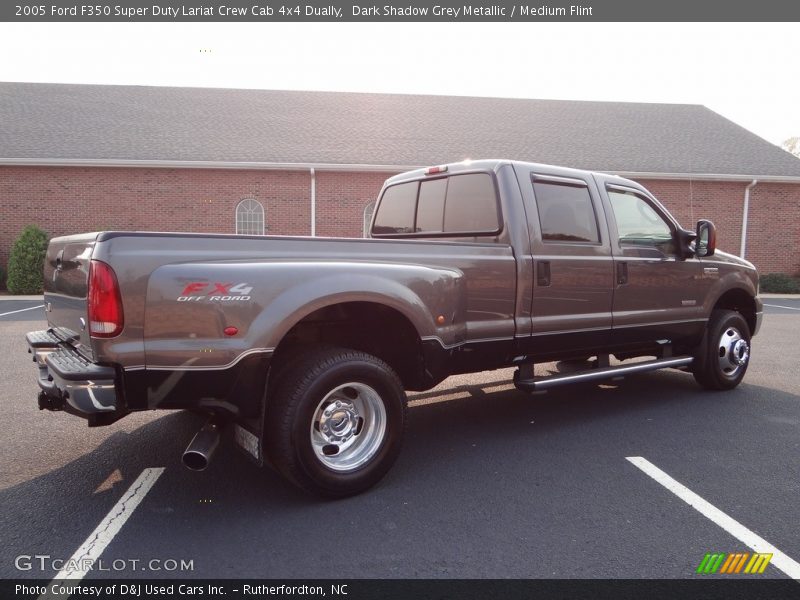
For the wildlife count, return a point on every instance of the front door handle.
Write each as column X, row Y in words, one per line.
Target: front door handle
column 543, row 273
column 622, row 273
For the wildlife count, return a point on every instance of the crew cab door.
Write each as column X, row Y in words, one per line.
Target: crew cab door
column 658, row 294
column 573, row 269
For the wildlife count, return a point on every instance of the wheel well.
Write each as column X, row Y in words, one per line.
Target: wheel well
column 368, row 326
column 742, row 302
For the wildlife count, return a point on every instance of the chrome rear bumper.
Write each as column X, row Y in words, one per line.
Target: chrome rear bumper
column 65, row 376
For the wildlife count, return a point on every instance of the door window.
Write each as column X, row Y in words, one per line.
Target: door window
column 565, row 212
column 638, row 223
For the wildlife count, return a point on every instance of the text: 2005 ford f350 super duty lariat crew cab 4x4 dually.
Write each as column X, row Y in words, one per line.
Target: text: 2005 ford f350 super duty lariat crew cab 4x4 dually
column 306, row 345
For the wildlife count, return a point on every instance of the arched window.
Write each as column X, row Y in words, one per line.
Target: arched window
column 250, row 217
column 368, row 210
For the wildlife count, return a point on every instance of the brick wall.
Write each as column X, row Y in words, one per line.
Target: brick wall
column 341, row 199
column 70, row 200
column 719, row 201
column 773, row 229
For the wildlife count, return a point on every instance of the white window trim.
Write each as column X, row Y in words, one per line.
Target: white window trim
column 257, row 210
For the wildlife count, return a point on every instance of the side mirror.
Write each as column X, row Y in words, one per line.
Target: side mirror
column 706, row 242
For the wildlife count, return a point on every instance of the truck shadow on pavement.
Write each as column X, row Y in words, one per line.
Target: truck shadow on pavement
column 493, row 446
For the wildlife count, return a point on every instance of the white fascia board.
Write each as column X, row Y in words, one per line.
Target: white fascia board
column 706, row 177
column 198, row 164
column 289, row 166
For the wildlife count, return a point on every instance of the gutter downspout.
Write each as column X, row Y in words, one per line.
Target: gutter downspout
column 313, row 202
column 745, row 211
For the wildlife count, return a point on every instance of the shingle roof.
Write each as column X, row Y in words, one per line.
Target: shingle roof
column 58, row 121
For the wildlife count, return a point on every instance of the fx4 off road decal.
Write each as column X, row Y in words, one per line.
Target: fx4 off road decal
column 203, row 291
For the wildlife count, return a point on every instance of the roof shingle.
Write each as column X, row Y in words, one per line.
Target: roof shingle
column 63, row 121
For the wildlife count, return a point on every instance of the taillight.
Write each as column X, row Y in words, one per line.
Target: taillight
column 105, row 305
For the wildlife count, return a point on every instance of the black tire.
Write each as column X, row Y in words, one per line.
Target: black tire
column 721, row 361
column 295, row 405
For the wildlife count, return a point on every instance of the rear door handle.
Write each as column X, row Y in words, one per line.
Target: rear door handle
column 622, row 273
column 543, row 273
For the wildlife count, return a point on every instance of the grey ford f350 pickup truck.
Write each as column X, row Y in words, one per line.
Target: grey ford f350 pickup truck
column 306, row 345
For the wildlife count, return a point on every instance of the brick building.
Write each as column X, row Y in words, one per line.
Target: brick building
column 77, row 158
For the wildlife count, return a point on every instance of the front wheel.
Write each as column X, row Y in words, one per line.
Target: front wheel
column 335, row 421
column 722, row 358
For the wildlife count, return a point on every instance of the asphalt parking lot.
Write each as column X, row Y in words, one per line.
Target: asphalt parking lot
column 491, row 482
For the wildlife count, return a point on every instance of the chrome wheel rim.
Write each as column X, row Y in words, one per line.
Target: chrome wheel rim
column 348, row 427
column 733, row 352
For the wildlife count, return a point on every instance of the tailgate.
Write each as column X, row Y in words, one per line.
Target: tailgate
column 66, row 284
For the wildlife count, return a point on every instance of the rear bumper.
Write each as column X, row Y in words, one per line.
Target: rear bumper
column 70, row 382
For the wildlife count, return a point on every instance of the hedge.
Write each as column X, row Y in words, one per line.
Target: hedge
column 26, row 263
column 779, row 283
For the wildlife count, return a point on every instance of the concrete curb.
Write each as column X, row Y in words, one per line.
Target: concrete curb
column 779, row 296
column 28, row 298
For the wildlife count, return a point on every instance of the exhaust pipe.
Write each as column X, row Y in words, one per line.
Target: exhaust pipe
column 199, row 451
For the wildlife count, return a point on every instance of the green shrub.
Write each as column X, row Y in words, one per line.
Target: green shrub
column 779, row 283
column 2, row 278
column 26, row 263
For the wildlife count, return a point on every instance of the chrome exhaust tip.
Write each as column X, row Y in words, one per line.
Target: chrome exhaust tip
column 200, row 450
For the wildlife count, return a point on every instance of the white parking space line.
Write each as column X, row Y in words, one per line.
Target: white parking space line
column 772, row 305
column 729, row 524
column 20, row 310
column 109, row 527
